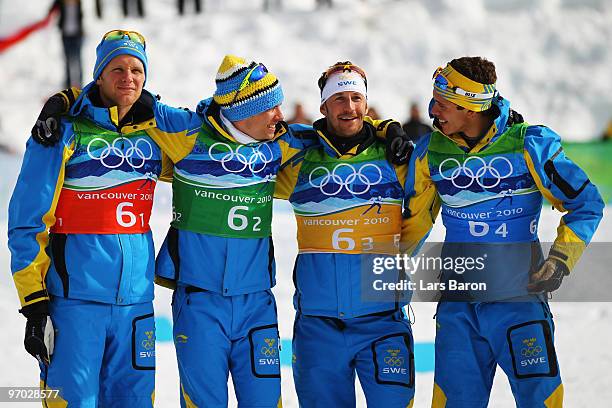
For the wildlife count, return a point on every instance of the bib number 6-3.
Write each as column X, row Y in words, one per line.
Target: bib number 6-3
column 343, row 243
column 347, row 243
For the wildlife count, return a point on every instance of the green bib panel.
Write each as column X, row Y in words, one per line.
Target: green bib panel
column 225, row 188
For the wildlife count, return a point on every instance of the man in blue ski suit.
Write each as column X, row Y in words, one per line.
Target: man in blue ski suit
column 490, row 171
column 347, row 200
column 86, row 287
column 218, row 252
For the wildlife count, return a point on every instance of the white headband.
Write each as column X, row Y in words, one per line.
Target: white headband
column 341, row 82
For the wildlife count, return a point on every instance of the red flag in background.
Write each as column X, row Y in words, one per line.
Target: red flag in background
column 23, row 33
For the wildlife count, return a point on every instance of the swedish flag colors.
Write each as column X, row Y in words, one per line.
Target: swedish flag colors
column 245, row 89
column 460, row 90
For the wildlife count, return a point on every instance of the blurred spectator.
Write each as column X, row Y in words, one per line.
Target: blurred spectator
column 4, row 148
column 269, row 5
column 373, row 113
column 99, row 8
column 324, row 3
column 181, row 6
column 127, row 6
column 606, row 136
column 299, row 115
column 71, row 26
column 414, row 127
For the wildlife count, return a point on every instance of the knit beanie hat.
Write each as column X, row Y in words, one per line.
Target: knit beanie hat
column 245, row 88
column 109, row 49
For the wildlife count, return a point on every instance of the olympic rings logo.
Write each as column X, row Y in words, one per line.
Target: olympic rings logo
column 531, row 351
column 478, row 175
column 394, row 361
column 345, row 182
column 134, row 155
column 256, row 161
column 268, row 351
column 149, row 342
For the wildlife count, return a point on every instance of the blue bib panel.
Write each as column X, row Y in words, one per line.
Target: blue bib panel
column 490, row 208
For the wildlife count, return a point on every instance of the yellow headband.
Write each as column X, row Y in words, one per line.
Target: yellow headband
column 461, row 90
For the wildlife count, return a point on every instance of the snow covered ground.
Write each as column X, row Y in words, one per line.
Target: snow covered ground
column 553, row 58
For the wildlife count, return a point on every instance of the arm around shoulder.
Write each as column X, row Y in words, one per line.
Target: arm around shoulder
column 421, row 201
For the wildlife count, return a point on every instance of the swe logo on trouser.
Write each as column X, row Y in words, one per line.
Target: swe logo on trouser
column 532, row 350
column 143, row 342
column 393, row 360
column 265, row 356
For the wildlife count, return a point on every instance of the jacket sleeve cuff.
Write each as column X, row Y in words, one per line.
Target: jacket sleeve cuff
column 40, row 308
column 567, row 253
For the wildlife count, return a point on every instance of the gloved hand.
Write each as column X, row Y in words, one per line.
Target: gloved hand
column 46, row 129
column 39, row 333
column 549, row 277
column 514, row 117
column 399, row 145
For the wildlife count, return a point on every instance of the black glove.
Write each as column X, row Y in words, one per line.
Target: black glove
column 549, row 277
column 399, row 145
column 46, row 130
column 515, row 117
column 39, row 334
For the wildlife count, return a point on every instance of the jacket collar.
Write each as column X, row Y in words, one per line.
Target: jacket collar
column 88, row 105
column 325, row 138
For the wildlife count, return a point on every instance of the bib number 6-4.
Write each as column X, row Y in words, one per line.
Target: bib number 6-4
column 480, row 229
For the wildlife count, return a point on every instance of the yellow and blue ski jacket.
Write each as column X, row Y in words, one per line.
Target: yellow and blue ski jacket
column 93, row 190
column 491, row 196
column 348, row 209
column 220, row 237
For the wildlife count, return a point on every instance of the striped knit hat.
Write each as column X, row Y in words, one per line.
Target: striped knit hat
column 240, row 93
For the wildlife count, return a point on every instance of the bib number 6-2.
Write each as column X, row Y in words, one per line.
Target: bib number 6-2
column 240, row 222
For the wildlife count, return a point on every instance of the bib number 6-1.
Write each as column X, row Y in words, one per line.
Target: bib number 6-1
column 240, row 222
column 126, row 218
